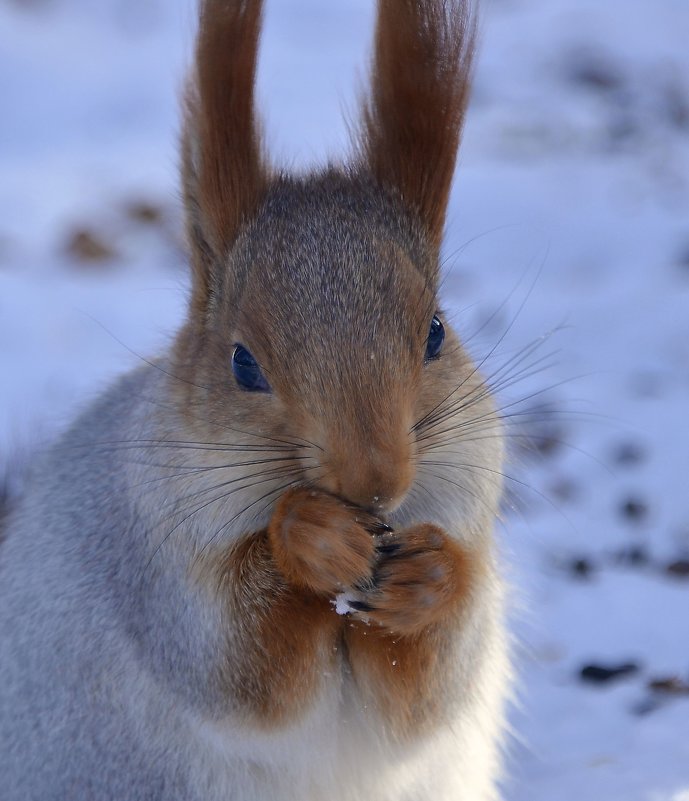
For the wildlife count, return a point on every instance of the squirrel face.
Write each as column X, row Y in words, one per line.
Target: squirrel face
column 332, row 291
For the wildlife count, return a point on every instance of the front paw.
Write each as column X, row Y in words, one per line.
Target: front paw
column 421, row 577
column 320, row 543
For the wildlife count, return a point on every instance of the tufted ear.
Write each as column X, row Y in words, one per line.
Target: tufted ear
column 412, row 120
column 223, row 172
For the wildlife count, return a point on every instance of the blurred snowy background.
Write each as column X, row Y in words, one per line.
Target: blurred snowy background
column 568, row 230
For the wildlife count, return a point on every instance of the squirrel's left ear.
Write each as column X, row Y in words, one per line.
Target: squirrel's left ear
column 412, row 120
column 223, row 170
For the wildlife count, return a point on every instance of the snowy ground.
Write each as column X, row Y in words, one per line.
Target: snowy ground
column 570, row 215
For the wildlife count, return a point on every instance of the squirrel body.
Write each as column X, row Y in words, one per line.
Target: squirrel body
column 168, row 582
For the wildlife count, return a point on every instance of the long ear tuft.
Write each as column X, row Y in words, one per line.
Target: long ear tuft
column 223, row 171
column 413, row 118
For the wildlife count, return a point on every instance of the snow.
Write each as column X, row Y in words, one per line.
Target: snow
column 570, row 215
column 341, row 603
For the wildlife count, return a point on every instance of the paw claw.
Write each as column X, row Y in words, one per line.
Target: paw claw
column 376, row 528
column 389, row 549
column 361, row 606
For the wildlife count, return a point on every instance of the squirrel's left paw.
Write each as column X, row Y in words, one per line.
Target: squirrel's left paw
column 421, row 577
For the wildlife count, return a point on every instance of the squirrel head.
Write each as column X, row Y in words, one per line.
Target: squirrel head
column 314, row 314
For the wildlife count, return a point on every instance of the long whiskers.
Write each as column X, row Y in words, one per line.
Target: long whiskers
column 274, row 475
column 268, row 497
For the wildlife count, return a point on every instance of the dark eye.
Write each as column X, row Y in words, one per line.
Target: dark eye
column 247, row 372
column 436, row 337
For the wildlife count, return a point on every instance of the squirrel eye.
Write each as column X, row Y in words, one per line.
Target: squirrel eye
column 247, row 372
column 436, row 337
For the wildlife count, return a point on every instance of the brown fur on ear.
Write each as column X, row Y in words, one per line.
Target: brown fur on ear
column 222, row 167
column 420, row 87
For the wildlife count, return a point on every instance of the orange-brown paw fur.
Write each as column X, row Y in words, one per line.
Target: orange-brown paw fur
column 421, row 577
column 321, row 544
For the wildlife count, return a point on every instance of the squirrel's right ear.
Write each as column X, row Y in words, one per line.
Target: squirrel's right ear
column 413, row 116
column 223, row 171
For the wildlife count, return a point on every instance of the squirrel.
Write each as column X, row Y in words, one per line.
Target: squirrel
column 262, row 566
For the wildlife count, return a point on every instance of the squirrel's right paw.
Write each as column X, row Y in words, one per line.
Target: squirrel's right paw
column 320, row 543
